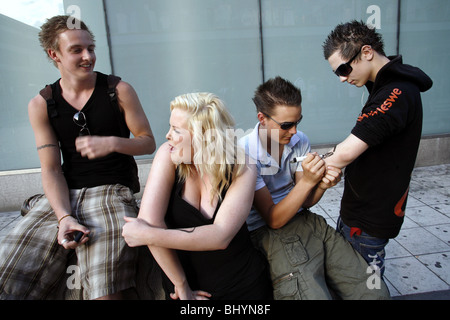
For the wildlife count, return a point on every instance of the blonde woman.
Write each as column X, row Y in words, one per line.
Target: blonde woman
column 195, row 204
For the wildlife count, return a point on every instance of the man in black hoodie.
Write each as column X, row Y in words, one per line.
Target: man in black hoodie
column 380, row 152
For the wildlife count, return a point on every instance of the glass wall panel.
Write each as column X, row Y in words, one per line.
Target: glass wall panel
column 294, row 32
column 24, row 70
column 167, row 48
column 425, row 43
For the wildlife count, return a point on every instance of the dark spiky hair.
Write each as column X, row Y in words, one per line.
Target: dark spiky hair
column 349, row 37
column 274, row 92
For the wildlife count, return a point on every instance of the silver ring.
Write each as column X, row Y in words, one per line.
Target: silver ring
column 64, row 241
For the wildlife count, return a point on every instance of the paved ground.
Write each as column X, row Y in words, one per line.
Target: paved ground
column 418, row 260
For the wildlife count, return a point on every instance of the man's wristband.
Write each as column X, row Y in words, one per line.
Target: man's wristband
column 67, row 215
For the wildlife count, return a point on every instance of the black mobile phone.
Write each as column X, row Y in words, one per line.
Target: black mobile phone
column 78, row 236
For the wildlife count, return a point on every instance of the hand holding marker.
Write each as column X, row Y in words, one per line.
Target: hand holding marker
column 324, row 156
column 298, row 159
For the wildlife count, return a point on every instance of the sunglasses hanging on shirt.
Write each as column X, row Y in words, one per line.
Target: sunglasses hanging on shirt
column 80, row 120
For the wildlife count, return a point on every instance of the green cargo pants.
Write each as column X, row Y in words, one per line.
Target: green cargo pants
column 308, row 260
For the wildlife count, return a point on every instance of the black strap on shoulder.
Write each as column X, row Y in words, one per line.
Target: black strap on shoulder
column 47, row 94
column 113, row 81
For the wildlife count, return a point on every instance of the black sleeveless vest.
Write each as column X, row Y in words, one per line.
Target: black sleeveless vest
column 103, row 118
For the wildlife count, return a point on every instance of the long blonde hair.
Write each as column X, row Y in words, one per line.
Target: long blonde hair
column 212, row 131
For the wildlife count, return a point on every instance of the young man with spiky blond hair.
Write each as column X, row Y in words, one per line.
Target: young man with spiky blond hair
column 89, row 194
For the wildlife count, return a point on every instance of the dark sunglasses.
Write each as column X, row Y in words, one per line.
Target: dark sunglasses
column 80, row 120
column 345, row 69
column 285, row 125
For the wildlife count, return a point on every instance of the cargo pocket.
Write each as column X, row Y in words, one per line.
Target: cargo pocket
column 286, row 287
column 29, row 203
column 126, row 196
column 294, row 250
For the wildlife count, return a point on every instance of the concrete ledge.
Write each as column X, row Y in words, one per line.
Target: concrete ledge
column 19, row 185
column 433, row 150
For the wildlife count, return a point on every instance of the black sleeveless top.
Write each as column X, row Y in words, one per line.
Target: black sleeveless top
column 103, row 119
column 238, row 272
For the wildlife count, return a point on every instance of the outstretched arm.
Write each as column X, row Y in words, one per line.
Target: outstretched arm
column 347, row 151
column 341, row 156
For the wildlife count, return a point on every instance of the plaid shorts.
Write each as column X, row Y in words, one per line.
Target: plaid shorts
column 34, row 266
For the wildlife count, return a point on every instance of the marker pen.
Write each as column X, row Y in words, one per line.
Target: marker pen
column 298, row 159
column 324, row 156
